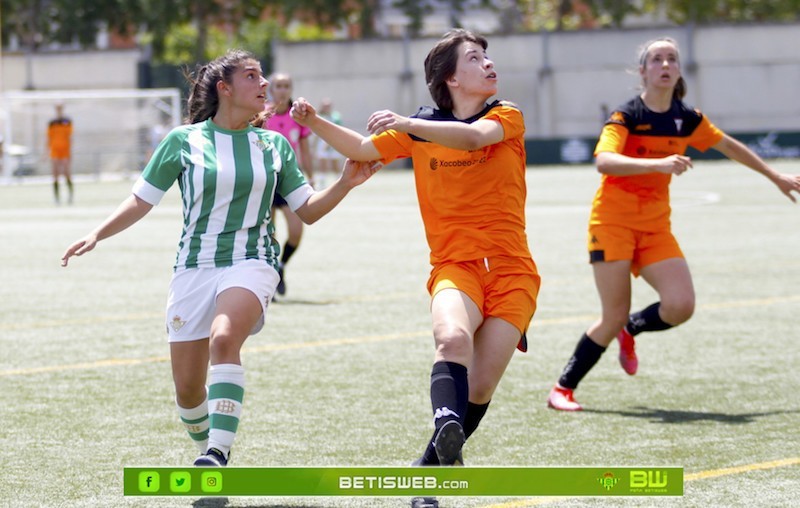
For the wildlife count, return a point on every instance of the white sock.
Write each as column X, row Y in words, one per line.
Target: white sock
column 225, row 396
column 196, row 422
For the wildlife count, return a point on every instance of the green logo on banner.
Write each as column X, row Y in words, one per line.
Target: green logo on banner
column 648, row 481
column 608, row 481
column 211, row 482
column 149, row 481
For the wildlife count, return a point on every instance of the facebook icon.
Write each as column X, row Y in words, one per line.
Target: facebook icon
column 149, row 481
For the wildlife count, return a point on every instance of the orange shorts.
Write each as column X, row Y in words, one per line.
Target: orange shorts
column 503, row 287
column 617, row 243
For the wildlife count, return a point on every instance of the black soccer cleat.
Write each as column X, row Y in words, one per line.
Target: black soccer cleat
column 212, row 458
column 281, row 289
column 448, row 444
column 424, row 502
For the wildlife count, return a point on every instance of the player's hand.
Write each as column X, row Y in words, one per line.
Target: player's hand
column 79, row 248
column 355, row 173
column 788, row 184
column 674, row 164
column 302, row 111
column 384, row 120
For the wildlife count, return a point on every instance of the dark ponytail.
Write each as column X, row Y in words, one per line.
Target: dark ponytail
column 203, row 99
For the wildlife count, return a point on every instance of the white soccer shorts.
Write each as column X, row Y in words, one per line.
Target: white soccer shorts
column 193, row 292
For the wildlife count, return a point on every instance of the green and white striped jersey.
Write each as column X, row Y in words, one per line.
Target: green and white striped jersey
column 228, row 180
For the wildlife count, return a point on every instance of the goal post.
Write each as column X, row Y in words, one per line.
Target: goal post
column 114, row 131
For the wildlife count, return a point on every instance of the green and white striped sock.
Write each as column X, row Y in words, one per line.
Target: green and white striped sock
column 225, row 395
column 196, row 422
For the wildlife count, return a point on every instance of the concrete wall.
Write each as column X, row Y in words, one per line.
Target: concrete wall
column 745, row 78
column 78, row 70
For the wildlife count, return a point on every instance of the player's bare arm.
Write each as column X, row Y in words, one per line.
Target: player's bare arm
column 128, row 213
column 739, row 152
column 457, row 135
column 612, row 163
column 320, row 203
column 347, row 142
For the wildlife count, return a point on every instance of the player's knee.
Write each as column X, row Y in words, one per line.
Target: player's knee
column 616, row 320
column 189, row 392
column 677, row 311
column 223, row 345
column 452, row 342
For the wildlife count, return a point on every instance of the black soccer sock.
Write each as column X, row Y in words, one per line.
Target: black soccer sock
column 449, row 393
column 586, row 355
column 288, row 250
column 55, row 190
column 474, row 416
column 647, row 320
column 449, row 399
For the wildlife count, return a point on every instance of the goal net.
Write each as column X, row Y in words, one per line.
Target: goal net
column 113, row 131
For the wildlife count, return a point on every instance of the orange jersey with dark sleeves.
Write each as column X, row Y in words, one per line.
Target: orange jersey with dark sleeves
column 472, row 202
column 641, row 202
column 59, row 132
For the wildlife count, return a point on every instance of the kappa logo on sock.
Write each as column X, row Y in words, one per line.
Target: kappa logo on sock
column 177, row 323
column 441, row 412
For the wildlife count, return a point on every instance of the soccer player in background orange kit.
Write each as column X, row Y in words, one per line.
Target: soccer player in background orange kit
column 641, row 146
column 469, row 167
column 59, row 138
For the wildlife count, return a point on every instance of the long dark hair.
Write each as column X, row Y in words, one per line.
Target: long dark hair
column 203, row 99
column 440, row 64
column 680, row 87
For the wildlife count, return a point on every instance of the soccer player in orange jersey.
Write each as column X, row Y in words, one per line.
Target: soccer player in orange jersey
column 59, row 140
column 641, row 146
column 469, row 167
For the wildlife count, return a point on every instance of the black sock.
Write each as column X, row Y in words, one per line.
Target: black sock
column 646, row 320
column 586, row 355
column 449, row 399
column 474, row 416
column 449, row 393
column 55, row 190
column 288, row 250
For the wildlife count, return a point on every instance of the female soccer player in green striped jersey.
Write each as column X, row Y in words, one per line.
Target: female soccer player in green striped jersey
column 225, row 271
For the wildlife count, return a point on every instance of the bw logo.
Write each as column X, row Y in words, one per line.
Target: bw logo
column 648, row 479
column 225, row 406
column 434, row 163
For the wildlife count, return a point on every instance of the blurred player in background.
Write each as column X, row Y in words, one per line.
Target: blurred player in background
column 328, row 159
column 59, row 145
column 641, row 146
column 226, row 268
column 469, row 166
column 276, row 118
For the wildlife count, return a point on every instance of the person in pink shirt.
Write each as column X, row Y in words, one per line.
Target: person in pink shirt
column 278, row 119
